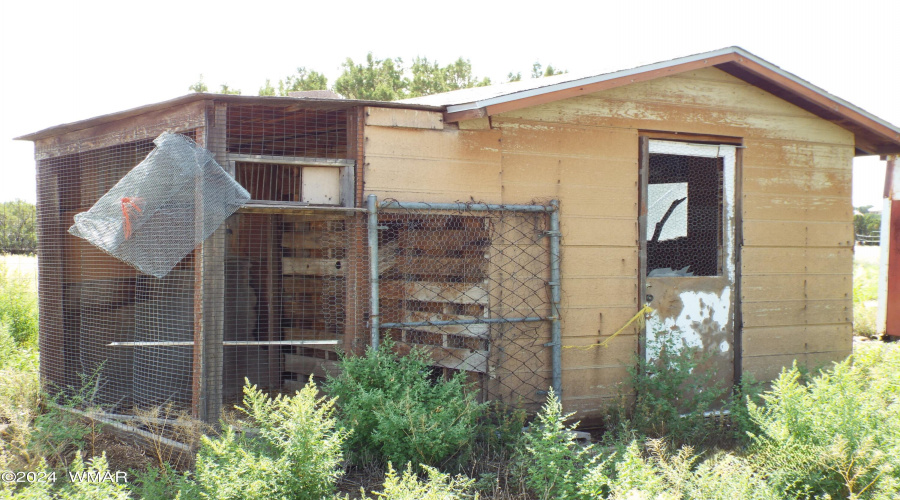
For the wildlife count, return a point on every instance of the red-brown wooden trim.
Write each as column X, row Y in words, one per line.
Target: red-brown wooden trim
column 892, row 301
column 688, row 137
column 819, row 99
column 469, row 114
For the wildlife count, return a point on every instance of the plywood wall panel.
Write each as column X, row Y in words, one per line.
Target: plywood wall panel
column 548, row 170
column 410, row 179
column 593, row 381
column 409, row 118
column 793, row 154
column 796, row 313
column 598, row 231
column 791, row 181
column 584, row 352
column 600, row 292
column 765, row 233
column 766, row 341
column 726, row 95
column 481, row 146
column 596, row 323
column 563, row 140
column 769, row 367
column 767, row 261
column 599, row 111
column 763, row 287
column 767, row 206
column 588, row 262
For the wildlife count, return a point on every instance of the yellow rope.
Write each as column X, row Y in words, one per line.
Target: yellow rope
column 639, row 317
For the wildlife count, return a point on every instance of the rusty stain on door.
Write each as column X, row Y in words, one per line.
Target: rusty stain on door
column 689, row 248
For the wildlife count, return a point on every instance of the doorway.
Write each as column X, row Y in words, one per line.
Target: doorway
column 689, row 253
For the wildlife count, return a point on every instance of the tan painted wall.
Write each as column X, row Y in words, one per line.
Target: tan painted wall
column 797, row 244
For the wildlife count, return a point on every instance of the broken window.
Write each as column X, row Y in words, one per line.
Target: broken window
column 684, row 215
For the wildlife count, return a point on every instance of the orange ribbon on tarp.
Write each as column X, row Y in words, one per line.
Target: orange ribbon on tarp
column 129, row 204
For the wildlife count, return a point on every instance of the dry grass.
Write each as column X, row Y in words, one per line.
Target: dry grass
column 166, row 424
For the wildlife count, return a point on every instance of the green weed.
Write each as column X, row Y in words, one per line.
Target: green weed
column 865, row 298
column 399, row 413
column 296, row 454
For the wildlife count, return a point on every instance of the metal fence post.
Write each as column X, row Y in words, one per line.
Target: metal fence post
column 555, row 299
column 372, row 209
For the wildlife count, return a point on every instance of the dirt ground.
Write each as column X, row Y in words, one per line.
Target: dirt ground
column 121, row 455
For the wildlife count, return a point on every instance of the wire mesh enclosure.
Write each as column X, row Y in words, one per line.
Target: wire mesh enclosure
column 685, row 216
column 275, row 292
column 472, row 289
column 296, row 295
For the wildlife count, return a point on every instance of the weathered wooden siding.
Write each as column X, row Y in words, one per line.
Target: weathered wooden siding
column 415, row 157
column 797, row 231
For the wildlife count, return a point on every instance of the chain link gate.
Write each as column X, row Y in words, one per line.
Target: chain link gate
column 476, row 286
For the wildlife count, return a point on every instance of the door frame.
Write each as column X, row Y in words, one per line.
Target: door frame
column 644, row 138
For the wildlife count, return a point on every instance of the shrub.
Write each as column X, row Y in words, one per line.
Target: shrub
column 663, row 476
column 865, row 297
column 499, row 429
column 742, row 425
column 16, row 357
column 65, row 489
column 553, row 464
column 398, row 413
column 839, row 434
column 296, row 455
column 672, row 392
column 18, row 307
column 161, row 483
column 437, row 486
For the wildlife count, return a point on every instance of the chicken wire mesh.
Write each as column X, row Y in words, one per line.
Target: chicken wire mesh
column 123, row 339
column 90, row 300
column 274, row 293
column 684, row 216
column 296, row 294
column 162, row 208
column 471, row 288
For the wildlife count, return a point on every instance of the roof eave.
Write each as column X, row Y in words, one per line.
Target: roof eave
column 874, row 136
column 189, row 98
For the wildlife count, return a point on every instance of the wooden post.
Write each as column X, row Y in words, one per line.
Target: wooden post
column 198, row 393
column 356, row 282
column 212, row 264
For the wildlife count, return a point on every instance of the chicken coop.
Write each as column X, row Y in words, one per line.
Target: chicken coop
column 516, row 232
column 254, row 262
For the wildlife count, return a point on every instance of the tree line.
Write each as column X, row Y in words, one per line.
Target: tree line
column 17, row 227
column 867, row 225
column 383, row 79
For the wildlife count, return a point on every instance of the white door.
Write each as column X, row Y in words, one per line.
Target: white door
column 688, row 248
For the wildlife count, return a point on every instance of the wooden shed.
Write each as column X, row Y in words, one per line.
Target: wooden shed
column 715, row 188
